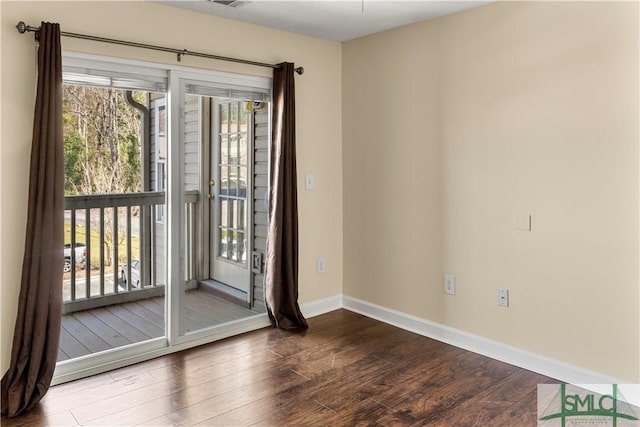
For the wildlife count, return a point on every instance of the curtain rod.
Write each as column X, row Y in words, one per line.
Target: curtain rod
column 23, row 28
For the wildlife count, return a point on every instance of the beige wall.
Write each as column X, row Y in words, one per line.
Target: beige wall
column 450, row 129
column 318, row 107
column 454, row 126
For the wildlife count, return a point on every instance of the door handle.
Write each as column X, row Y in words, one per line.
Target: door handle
column 211, row 183
column 210, row 196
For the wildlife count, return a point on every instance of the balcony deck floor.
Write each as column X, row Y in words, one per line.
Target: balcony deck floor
column 99, row 329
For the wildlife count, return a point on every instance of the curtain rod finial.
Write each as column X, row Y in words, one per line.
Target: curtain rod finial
column 300, row 70
column 23, row 28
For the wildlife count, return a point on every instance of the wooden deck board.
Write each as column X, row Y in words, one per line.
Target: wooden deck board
column 198, row 315
column 143, row 311
column 154, row 304
column 125, row 329
column 103, row 330
column 99, row 329
column 70, row 345
column 204, row 309
column 143, row 325
column 91, row 341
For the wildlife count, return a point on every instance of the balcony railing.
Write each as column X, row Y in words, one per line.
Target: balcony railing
column 124, row 248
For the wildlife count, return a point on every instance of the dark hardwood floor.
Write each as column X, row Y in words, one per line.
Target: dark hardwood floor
column 346, row 370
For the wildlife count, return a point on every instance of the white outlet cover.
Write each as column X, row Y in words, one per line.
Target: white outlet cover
column 321, row 265
column 449, row 284
column 503, row 297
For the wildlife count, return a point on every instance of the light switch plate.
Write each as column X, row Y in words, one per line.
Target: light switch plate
column 309, row 181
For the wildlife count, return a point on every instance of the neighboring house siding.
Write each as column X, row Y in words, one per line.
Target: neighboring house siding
column 260, row 189
column 154, row 100
column 192, row 142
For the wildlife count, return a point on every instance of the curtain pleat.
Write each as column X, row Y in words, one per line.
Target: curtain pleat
column 281, row 279
column 37, row 330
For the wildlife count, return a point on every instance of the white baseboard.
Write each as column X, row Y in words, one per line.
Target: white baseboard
column 524, row 359
column 475, row 343
column 322, row 306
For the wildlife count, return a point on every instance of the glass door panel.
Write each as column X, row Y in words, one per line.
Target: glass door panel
column 114, row 280
column 216, row 156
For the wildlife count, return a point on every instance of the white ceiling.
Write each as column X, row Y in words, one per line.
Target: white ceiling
column 329, row 19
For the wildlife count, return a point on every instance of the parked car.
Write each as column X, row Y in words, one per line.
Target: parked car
column 80, row 255
column 135, row 273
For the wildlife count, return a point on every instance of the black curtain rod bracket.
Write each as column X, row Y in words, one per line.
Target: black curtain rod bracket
column 180, row 53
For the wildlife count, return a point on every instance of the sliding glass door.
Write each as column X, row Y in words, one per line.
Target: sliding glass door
column 159, row 218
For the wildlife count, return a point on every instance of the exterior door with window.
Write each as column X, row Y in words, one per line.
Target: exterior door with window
column 230, row 186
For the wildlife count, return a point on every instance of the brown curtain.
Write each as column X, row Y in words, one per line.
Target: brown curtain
column 37, row 331
column 281, row 281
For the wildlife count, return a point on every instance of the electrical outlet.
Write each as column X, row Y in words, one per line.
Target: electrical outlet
column 449, row 284
column 256, row 262
column 321, row 265
column 503, row 297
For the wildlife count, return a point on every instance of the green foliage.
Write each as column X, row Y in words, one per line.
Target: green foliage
column 73, row 159
column 140, row 97
column 102, row 141
column 102, row 148
column 131, row 160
